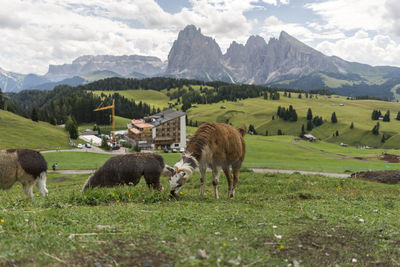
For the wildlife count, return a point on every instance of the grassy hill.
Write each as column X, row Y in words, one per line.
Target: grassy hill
column 259, row 112
column 120, row 124
column 19, row 132
column 152, row 97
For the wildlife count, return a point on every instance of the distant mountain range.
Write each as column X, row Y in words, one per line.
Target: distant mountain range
column 283, row 62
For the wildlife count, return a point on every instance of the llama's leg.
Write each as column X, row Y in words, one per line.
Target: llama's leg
column 28, row 188
column 235, row 181
column 229, row 179
column 153, row 181
column 41, row 184
column 203, row 169
column 215, row 182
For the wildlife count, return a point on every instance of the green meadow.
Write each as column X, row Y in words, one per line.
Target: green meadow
column 152, row 97
column 19, row 132
column 273, row 220
column 260, row 113
column 272, row 152
column 120, row 124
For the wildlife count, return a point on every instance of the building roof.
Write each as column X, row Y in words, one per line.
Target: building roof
column 141, row 124
column 165, row 116
column 309, row 136
column 135, row 131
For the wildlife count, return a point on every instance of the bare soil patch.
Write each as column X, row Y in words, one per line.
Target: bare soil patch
column 390, row 158
column 332, row 245
column 122, row 253
column 387, row 177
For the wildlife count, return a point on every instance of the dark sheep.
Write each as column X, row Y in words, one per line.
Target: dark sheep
column 127, row 169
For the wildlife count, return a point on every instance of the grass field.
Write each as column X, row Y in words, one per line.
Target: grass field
column 120, row 124
column 274, row 152
column 259, row 112
column 19, row 132
column 151, row 97
column 273, row 220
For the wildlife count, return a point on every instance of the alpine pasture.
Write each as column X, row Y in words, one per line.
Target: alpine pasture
column 274, row 219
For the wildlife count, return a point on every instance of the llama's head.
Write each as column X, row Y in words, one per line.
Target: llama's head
column 180, row 173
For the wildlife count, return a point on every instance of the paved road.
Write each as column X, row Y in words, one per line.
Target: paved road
column 337, row 175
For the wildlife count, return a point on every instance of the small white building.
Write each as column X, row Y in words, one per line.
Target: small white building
column 310, row 137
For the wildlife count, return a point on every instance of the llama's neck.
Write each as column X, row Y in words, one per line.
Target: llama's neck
column 187, row 163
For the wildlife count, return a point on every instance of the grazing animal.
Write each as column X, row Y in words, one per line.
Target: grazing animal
column 214, row 145
column 25, row 166
column 127, row 169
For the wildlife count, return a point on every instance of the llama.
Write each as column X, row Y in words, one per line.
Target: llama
column 25, row 166
column 127, row 169
column 215, row 145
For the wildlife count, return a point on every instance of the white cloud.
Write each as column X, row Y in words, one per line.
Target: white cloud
column 393, row 11
column 351, row 15
column 56, row 32
column 273, row 26
column 377, row 50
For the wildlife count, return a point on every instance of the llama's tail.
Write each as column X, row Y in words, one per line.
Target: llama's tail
column 41, row 183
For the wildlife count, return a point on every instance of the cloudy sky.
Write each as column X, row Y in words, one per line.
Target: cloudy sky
column 36, row 33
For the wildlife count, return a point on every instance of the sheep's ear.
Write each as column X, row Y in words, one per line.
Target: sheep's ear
column 169, row 168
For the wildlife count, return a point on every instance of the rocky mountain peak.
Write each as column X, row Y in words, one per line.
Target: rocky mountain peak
column 255, row 42
column 194, row 55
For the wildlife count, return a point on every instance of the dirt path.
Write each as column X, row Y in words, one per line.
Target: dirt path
column 256, row 170
column 93, row 149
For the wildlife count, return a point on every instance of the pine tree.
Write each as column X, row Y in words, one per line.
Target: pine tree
column 333, row 118
column 302, row 130
column 352, row 125
column 34, row 115
column 299, row 96
column 309, row 126
column 387, row 116
column 71, row 127
column 375, row 130
column 309, row 114
column 266, row 133
column 289, row 95
column 383, row 139
column 1, row 100
column 337, row 133
column 252, row 130
column 280, row 132
column 398, row 116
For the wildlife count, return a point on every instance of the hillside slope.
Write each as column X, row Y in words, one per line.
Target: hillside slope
column 19, row 132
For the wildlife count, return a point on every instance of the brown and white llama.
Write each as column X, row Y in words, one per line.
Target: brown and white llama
column 214, row 145
column 25, row 166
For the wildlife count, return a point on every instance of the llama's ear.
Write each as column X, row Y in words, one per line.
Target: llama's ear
column 169, row 168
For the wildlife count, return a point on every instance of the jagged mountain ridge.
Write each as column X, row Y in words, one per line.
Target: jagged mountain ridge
column 281, row 62
column 122, row 65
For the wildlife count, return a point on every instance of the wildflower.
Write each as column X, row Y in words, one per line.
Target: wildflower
column 181, row 193
column 18, row 186
column 2, row 221
column 339, row 188
column 224, row 244
column 281, row 247
column 231, row 198
column 37, row 195
column 117, row 200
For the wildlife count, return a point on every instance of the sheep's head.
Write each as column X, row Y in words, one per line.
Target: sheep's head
column 177, row 180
